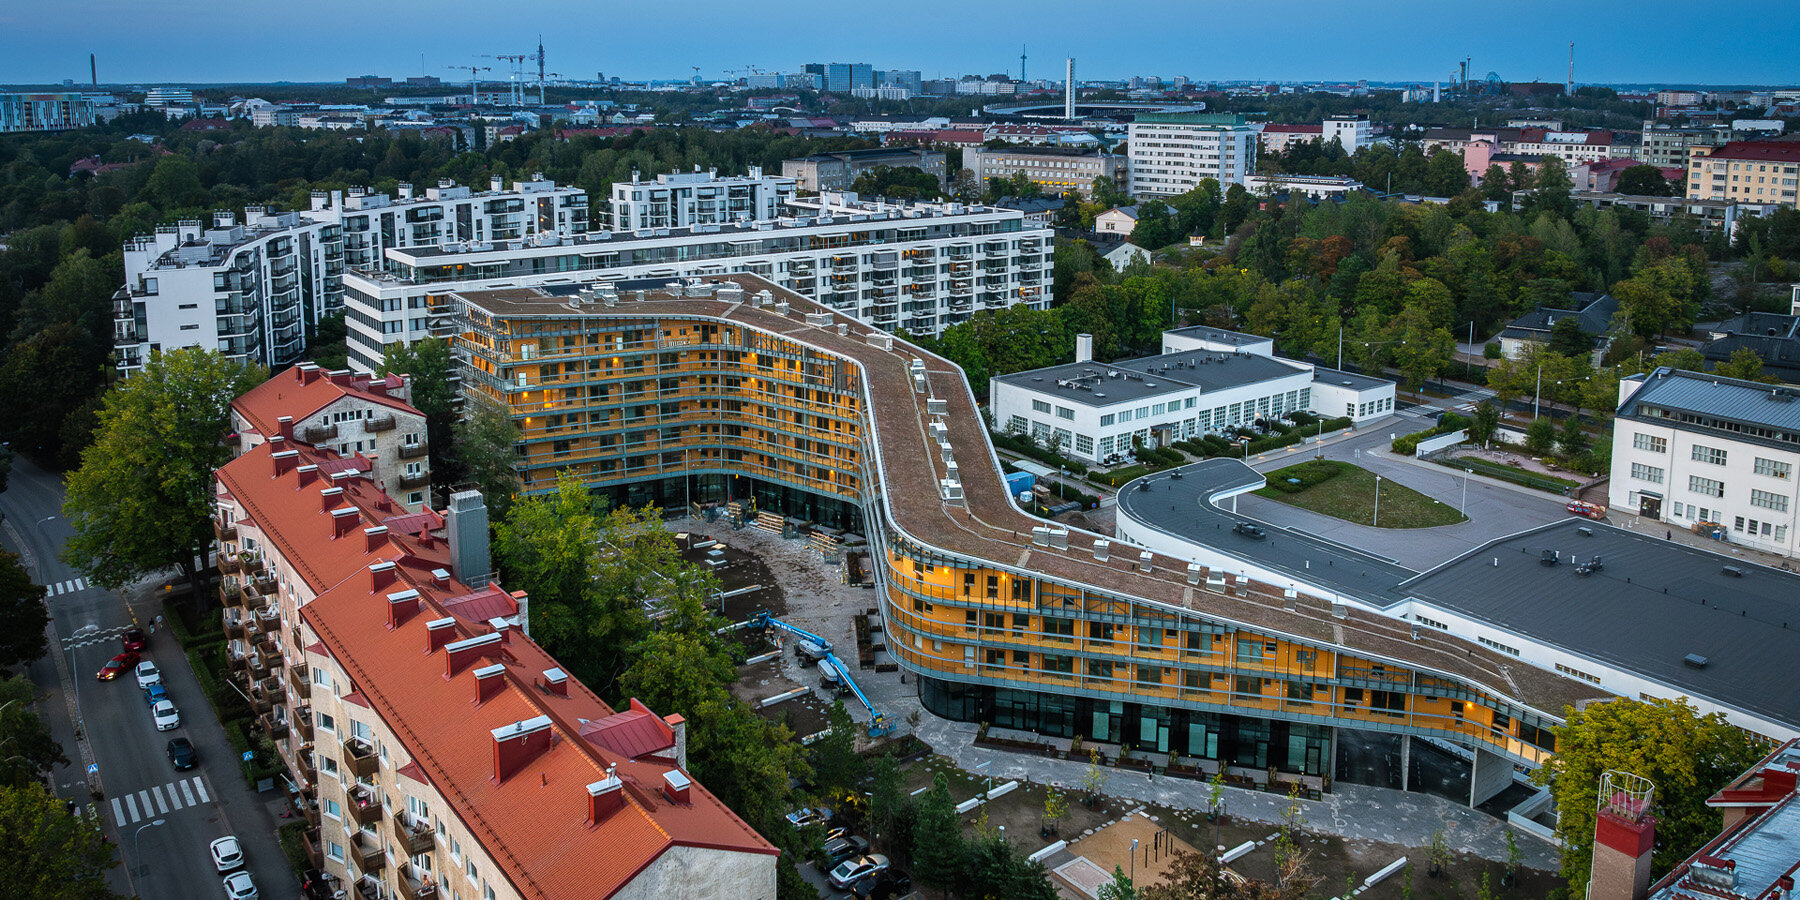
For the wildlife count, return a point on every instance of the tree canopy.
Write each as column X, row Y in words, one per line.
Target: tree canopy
column 51, row 854
column 22, row 614
column 142, row 500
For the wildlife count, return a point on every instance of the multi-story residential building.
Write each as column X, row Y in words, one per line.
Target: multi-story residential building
column 1171, row 636
column 1055, row 171
column 1170, row 153
column 435, row 749
column 838, row 171
column 1276, row 137
column 1206, row 381
column 1667, row 145
column 256, row 291
column 168, row 96
column 918, row 266
column 1351, row 132
column 1709, row 216
column 1746, row 171
column 45, row 112
column 686, row 199
column 1711, row 453
column 368, row 421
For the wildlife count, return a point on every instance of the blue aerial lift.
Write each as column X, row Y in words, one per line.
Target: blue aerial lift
column 879, row 724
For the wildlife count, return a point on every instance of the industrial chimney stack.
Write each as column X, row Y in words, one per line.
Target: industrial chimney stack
column 1069, row 89
column 1624, row 836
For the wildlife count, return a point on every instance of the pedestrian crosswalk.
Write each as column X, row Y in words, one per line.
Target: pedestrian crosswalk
column 129, row 809
column 90, row 636
column 66, row 587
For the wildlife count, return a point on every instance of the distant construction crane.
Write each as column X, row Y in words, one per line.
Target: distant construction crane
column 516, row 91
column 474, row 99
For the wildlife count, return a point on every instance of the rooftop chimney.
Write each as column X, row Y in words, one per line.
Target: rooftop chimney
column 605, row 797
column 285, row 425
column 374, row 536
column 306, row 373
column 679, row 726
column 284, row 461
column 329, row 497
column 489, row 680
column 402, row 606
column 516, row 745
column 503, row 627
column 459, row 654
column 556, row 681
column 378, row 386
column 1624, row 836
column 308, row 473
column 440, row 577
column 439, row 632
column 344, row 520
column 676, row 785
column 382, row 573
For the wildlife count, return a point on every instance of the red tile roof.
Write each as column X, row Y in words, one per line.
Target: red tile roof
column 1771, row 151
column 305, row 389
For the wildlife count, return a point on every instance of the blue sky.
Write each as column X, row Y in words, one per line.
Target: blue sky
column 1401, row 40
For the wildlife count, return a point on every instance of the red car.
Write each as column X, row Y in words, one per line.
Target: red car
column 121, row 663
column 134, row 639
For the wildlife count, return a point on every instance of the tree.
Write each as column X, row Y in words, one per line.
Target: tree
column 427, row 366
column 1421, row 348
column 1483, row 422
column 836, row 767
column 1687, row 756
column 889, row 803
column 939, row 852
column 1056, row 806
column 484, row 454
column 1642, row 181
column 1093, row 780
column 898, row 183
column 27, row 751
column 1744, row 363
column 22, row 614
column 996, row 871
column 51, row 854
column 1567, row 338
column 1540, row 436
column 6, row 462
column 142, row 500
column 1119, row 888
column 1200, row 876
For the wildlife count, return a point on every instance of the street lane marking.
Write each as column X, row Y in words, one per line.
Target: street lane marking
column 200, row 788
column 131, row 801
column 187, row 792
column 148, row 809
column 162, row 805
column 118, row 812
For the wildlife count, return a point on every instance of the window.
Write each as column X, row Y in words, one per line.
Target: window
column 1706, row 486
column 1769, row 500
column 1652, row 474
column 326, row 722
column 1649, row 442
column 1063, row 412
column 1498, row 646
column 1577, row 673
column 333, row 809
column 1705, row 454
column 1056, row 629
column 1016, row 425
column 1108, row 419
column 1773, row 469
column 1084, row 444
column 1040, row 406
column 1061, row 664
column 334, row 850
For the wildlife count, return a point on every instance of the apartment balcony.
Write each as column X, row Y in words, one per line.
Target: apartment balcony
column 366, row 855
column 268, row 623
column 275, row 727
column 415, row 885
column 414, row 451
column 257, row 665
column 223, row 532
column 233, row 618
column 229, row 563
column 231, row 594
column 359, row 758
column 844, row 264
column 361, row 805
column 368, row 887
column 299, row 679
column 319, row 434
column 309, row 839
column 416, row 837
column 261, row 698
column 254, row 565
column 237, row 653
column 415, row 479
column 383, row 422
column 303, row 727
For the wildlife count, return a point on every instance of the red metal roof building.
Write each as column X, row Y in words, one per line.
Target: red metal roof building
column 1746, row 171
column 443, row 752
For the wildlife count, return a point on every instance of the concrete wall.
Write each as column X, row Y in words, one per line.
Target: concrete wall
column 704, row 872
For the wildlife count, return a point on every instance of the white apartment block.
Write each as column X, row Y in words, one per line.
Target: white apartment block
column 1170, row 153
column 255, row 291
column 918, row 266
column 1716, row 455
column 1054, row 171
column 1206, row 381
column 686, row 199
column 1351, row 132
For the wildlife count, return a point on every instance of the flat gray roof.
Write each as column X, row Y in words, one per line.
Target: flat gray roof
column 1654, row 603
column 1207, row 332
column 1094, row 384
column 1348, row 379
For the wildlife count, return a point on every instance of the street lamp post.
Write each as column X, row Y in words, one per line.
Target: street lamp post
column 1537, row 393
column 1465, row 492
column 135, row 857
column 1134, row 843
column 1375, row 521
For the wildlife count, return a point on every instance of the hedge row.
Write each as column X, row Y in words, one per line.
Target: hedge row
column 190, row 634
column 1120, row 476
column 1062, row 492
column 1307, row 474
column 1408, row 444
column 1162, row 456
column 1024, row 446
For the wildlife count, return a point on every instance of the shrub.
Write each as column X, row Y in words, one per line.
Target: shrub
column 1308, row 474
column 1025, row 447
column 291, row 836
column 1491, row 351
column 1120, row 476
column 192, row 627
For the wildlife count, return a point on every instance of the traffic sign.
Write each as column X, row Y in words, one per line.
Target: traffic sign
column 93, row 768
column 249, row 755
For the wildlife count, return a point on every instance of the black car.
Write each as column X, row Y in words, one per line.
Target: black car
column 181, row 753
column 881, row 885
column 840, row 849
column 1253, row 532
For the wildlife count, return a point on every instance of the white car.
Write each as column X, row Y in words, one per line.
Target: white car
column 851, row 869
column 147, row 674
column 238, row 886
column 165, row 715
column 227, row 853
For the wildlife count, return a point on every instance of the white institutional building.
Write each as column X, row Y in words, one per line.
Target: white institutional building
column 1170, row 153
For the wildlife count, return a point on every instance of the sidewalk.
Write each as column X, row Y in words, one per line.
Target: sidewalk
column 1350, row 811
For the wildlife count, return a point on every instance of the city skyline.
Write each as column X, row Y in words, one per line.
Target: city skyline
column 215, row 42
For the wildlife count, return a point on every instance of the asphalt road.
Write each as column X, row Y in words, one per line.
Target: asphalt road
column 162, row 820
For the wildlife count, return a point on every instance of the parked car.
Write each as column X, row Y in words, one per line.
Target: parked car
column 165, row 715
column 840, row 849
column 852, row 869
column 881, row 885
column 116, row 665
column 227, row 853
column 147, row 674
column 1253, row 532
column 835, row 832
column 155, row 694
column 134, row 639
column 238, row 886
column 181, row 753
column 804, row 816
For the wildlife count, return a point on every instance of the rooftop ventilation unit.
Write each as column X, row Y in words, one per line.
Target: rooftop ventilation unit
column 1694, row 661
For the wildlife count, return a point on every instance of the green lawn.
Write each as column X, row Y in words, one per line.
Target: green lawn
column 1343, row 491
